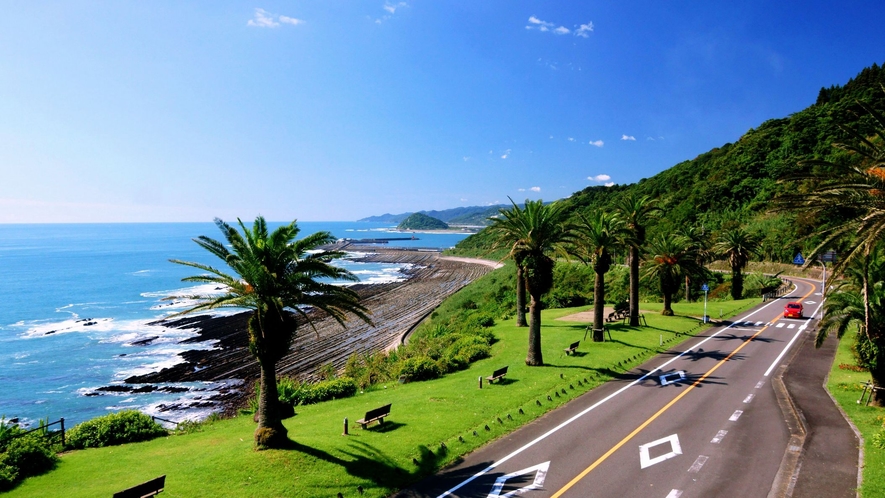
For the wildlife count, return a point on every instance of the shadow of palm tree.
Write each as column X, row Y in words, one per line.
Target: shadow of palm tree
column 672, row 378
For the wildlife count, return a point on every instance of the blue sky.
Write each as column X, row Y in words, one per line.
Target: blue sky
column 336, row 110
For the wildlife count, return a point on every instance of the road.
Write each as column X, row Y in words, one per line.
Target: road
column 700, row 420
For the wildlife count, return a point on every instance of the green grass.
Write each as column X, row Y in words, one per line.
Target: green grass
column 846, row 386
column 221, row 460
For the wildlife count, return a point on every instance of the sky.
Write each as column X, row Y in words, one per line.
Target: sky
column 161, row 111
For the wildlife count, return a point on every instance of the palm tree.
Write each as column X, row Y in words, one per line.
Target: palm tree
column 597, row 237
column 520, row 292
column 738, row 246
column 533, row 234
column 278, row 278
column 636, row 212
column 672, row 258
column 697, row 238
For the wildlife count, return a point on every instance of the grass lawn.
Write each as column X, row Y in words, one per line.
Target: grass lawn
column 846, row 386
column 220, row 460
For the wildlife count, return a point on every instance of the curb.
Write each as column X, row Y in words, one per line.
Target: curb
column 788, row 472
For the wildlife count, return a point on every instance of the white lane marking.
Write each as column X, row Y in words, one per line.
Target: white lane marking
column 749, row 398
column 675, row 450
column 760, row 384
column 540, row 471
column 810, row 302
column 674, row 493
column 696, row 466
column 736, row 415
column 781, row 324
column 791, row 326
column 818, row 294
column 590, row 408
column 787, row 347
column 664, row 380
column 718, row 438
column 759, row 324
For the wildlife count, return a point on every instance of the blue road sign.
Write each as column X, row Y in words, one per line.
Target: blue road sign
column 705, row 287
column 798, row 260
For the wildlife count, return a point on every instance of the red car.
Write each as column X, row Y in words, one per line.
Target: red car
column 793, row 310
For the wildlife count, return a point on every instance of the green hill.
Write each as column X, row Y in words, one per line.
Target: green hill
column 733, row 185
column 420, row 221
column 470, row 215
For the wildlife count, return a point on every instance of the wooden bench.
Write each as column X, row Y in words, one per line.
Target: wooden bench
column 149, row 488
column 572, row 348
column 497, row 375
column 373, row 415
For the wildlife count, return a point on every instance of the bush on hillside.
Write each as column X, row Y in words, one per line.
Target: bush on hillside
column 127, row 426
column 27, row 456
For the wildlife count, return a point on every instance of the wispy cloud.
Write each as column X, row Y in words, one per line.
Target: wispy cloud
column 582, row 30
column 264, row 19
column 391, row 8
column 598, row 143
column 628, row 137
column 600, row 178
column 520, row 190
column 535, row 189
column 571, row 139
column 506, row 154
column 610, row 184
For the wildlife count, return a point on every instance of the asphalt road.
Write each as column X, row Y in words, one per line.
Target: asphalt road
column 700, row 420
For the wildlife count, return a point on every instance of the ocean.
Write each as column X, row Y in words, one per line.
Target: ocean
column 77, row 297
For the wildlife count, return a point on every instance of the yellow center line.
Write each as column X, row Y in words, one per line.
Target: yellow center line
column 664, row 409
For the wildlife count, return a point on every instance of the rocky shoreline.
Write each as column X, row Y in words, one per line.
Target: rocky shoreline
column 395, row 309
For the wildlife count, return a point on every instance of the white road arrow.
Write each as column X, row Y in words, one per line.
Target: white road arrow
column 540, row 474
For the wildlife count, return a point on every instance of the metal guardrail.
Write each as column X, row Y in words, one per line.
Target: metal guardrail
column 47, row 433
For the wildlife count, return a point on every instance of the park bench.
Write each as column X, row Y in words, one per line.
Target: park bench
column 373, row 415
column 497, row 375
column 149, row 488
column 572, row 347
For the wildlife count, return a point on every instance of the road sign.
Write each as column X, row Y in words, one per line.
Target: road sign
column 798, row 260
column 705, row 287
column 540, row 472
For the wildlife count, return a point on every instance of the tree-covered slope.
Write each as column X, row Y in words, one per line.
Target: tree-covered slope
column 419, row 221
column 733, row 185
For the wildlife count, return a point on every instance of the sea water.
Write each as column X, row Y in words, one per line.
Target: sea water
column 74, row 299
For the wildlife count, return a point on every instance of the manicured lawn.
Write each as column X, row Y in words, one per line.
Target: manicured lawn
column 846, row 386
column 221, row 461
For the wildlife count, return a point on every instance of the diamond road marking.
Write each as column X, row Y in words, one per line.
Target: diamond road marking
column 646, row 461
column 540, row 471
column 718, row 438
column 664, row 380
column 675, row 493
column 810, row 302
column 696, row 466
column 736, row 415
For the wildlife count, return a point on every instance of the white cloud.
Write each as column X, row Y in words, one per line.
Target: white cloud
column 535, row 20
column 584, row 30
column 466, row 158
column 628, row 137
column 391, row 7
column 598, row 143
column 610, row 184
column 571, row 139
column 506, row 154
column 264, row 19
column 535, row 189
column 600, row 178
column 562, row 30
column 650, row 138
column 291, row 20
column 463, row 199
column 520, row 190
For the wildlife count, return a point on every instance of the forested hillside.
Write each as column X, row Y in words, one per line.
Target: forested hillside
column 733, row 185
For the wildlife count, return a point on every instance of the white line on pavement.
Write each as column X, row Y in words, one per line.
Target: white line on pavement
column 696, row 466
column 718, row 438
column 789, row 344
column 674, row 493
column 736, row 415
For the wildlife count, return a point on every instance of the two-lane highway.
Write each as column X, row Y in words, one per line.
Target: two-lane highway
column 698, row 421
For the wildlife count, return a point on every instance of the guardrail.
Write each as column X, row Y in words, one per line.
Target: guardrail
column 46, row 433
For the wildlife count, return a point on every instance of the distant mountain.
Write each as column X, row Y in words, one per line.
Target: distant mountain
column 472, row 215
column 420, row 221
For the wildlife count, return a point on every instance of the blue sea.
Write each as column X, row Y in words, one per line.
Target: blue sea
column 75, row 297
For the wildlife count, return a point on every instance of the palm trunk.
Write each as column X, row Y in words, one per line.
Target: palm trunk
column 534, row 357
column 737, row 284
column 270, row 432
column 668, row 310
column 598, row 305
column 634, row 286
column 520, row 297
column 687, row 289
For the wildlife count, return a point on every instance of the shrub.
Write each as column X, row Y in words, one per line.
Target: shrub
column 127, row 426
column 879, row 439
column 8, row 476
column 28, row 456
column 419, row 368
column 326, row 390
